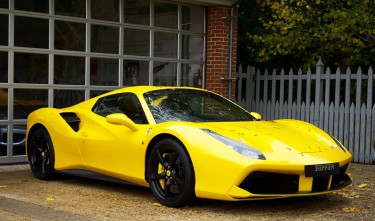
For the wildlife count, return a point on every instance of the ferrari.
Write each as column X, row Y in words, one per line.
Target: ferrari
column 185, row 143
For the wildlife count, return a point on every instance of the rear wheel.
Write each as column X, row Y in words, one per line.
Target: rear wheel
column 170, row 174
column 41, row 155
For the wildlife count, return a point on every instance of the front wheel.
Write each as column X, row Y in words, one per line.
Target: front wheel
column 170, row 174
column 41, row 155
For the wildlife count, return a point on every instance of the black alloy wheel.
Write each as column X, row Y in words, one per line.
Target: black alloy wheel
column 170, row 174
column 41, row 155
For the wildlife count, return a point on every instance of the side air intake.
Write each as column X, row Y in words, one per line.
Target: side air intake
column 72, row 120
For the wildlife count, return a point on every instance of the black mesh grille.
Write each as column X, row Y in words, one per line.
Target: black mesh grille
column 341, row 179
column 320, row 183
column 270, row 183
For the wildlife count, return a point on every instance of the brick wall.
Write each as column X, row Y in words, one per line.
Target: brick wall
column 218, row 36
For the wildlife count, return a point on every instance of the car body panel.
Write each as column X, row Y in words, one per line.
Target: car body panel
column 121, row 152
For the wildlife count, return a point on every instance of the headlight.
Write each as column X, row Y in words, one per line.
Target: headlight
column 239, row 147
column 339, row 144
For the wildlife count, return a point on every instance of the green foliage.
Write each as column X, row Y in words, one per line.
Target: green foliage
column 298, row 32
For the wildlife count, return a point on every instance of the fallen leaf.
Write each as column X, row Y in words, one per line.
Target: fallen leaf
column 351, row 209
column 362, row 185
column 50, row 199
column 157, row 204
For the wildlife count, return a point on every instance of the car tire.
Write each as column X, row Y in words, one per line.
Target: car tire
column 41, row 154
column 170, row 174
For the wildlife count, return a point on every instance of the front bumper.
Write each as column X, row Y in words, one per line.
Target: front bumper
column 260, row 183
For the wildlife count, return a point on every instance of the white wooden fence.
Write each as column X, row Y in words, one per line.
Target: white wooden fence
column 339, row 103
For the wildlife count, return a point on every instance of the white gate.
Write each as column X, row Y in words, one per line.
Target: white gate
column 340, row 103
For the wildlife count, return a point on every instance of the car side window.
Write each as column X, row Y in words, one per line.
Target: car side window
column 126, row 103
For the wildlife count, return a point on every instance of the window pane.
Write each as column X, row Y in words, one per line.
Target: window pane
column 30, row 68
column 137, row 42
column 66, row 98
column 28, row 100
column 192, row 18
column 166, row 15
column 3, row 67
column 4, row 3
column 3, row 140
column 18, row 144
column 32, row 5
column 104, row 71
column 137, row 12
column 97, row 93
column 3, row 104
column 4, row 29
column 31, row 32
column 136, row 72
column 75, row 8
column 165, row 74
column 191, row 75
column 69, row 70
column 165, row 45
column 70, row 36
column 104, row 39
column 105, row 10
column 192, row 47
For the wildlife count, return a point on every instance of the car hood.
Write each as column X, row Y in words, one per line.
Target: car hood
column 276, row 136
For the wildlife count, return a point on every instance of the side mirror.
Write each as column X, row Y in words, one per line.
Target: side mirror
column 256, row 115
column 121, row 119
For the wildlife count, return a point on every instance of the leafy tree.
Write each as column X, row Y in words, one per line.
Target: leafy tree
column 298, row 32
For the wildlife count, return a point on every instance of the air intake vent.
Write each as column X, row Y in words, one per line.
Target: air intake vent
column 72, row 119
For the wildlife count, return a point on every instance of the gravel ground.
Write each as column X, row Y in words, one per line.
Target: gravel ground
column 22, row 197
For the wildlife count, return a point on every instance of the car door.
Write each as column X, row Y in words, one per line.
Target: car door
column 111, row 149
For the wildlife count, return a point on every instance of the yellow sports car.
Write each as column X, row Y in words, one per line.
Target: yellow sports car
column 185, row 143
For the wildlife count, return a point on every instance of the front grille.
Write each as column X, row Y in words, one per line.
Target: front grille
column 259, row 182
column 320, row 183
column 270, row 183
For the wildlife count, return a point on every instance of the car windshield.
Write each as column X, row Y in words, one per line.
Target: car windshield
column 193, row 106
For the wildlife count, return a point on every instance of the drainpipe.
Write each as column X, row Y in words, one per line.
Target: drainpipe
column 230, row 77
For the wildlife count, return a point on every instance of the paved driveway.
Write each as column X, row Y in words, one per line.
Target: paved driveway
column 22, row 197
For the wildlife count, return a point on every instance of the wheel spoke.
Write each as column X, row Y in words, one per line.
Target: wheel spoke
column 162, row 160
column 172, row 159
column 158, row 176
column 177, row 180
column 39, row 159
column 43, row 165
column 167, row 188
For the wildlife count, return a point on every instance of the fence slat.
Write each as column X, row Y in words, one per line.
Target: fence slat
column 372, row 161
column 299, row 93
column 290, row 93
column 352, row 132
column 337, row 103
column 341, row 123
column 362, row 134
column 369, row 124
column 347, row 108
column 327, row 98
